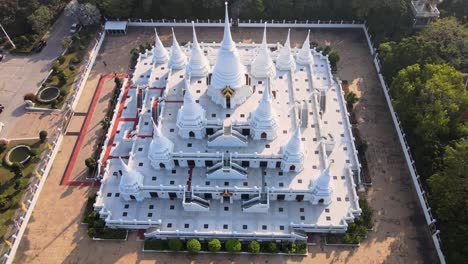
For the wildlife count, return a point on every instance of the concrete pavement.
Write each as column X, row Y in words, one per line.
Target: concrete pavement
column 21, row 74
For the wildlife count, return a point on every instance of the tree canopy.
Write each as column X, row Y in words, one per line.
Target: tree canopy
column 430, row 100
column 449, row 197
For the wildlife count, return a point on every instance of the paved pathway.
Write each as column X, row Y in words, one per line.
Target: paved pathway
column 21, row 74
column 55, row 235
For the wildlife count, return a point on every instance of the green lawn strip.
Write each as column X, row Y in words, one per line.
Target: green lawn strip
column 13, row 187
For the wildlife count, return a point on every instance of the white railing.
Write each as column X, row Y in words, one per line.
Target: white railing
column 30, row 197
column 430, row 220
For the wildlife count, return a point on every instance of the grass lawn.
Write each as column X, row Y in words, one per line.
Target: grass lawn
column 12, row 187
column 69, row 66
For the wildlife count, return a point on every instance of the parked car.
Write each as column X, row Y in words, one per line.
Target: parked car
column 75, row 28
column 39, row 46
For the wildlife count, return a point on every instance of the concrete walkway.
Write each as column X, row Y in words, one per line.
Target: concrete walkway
column 21, row 74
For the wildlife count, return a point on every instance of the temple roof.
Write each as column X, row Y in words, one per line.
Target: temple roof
column 262, row 65
column 159, row 52
column 190, row 110
column 285, row 60
column 228, row 70
column 198, row 65
column 304, row 56
column 322, row 184
column 177, row 59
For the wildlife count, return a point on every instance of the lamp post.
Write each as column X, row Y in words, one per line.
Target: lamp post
column 8, row 37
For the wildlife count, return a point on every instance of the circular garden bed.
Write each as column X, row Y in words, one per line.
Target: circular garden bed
column 18, row 154
column 48, row 94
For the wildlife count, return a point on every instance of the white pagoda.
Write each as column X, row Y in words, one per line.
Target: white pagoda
column 231, row 142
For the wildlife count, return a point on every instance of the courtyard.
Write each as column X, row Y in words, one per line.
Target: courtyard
column 55, row 235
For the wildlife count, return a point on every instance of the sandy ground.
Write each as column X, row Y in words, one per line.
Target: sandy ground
column 54, row 234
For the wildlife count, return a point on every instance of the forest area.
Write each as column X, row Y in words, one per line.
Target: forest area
column 423, row 68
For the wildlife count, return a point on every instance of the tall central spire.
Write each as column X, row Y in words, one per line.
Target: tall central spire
column 228, row 43
column 228, row 71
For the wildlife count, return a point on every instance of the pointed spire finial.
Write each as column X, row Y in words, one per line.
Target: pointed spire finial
column 160, row 53
column 264, row 35
column 227, row 43
column 288, row 42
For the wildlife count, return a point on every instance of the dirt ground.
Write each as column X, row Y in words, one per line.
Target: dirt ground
column 54, row 234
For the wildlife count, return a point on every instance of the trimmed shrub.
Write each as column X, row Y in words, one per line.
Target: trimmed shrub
column 17, row 168
column 214, row 245
column 175, row 244
column 17, row 184
column 30, row 97
column 43, row 135
column 254, row 246
column 301, row 248
column 53, row 104
column 56, row 66
column 118, row 82
column 91, row 232
column 233, row 245
column 72, row 67
column 63, row 92
column 5, row 202
column 91, row 163
column 272, row 247
column 193, row 246
column 90, row 218
column 156, row 245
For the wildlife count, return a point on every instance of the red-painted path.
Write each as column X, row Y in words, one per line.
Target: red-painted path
column 71, row 163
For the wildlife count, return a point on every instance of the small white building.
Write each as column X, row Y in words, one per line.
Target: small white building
column 236, row 141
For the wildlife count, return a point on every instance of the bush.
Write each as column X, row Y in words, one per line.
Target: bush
column 17, row 168
column 333, row 57
column 118, row 82
column 55, row 66
column 91, row 232
column 193, row 246
column 272, row 247
column 5, row 202
column 301, row 248
column 63, row 77
column 155, row 245
column 61, row 59
column 90, row 218
column 72, row 67
column 76, row 60
column 233, row 245
column 91, row 163
column 30, row 97
column 17, row 184
column 63, row 92
column 175, row 244
column 214, row 245
column 254, row 246
column 53, row 104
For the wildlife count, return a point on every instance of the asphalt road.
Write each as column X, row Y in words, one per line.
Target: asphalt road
column 21, row 74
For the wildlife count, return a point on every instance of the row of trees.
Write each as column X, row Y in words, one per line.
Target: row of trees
column 21, row 17
column 430, row 99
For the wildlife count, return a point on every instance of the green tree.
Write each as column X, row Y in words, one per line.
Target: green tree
column 449, row 198
column 233, row 245
column 66, row 42
column 254, row 246
column 214, row 245
column 193, row 246
column 351, row 98
column 333, row 57
column 429, row 101
column 175, row 244
column 40, row 19
column 43, row 135
column 117, row 8
column 450, row 39
column 91, row 163
column 86, row 14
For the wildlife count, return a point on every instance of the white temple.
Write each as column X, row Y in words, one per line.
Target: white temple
column 230, row 141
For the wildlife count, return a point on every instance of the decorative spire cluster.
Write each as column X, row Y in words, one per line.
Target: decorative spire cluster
column 321, row 189
column 285, row 61
column 304, row 57
column 159, row 53
column 160, row 149
column 263, row 120
column 262, row 65
column 198, row 65
column 178, row 60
